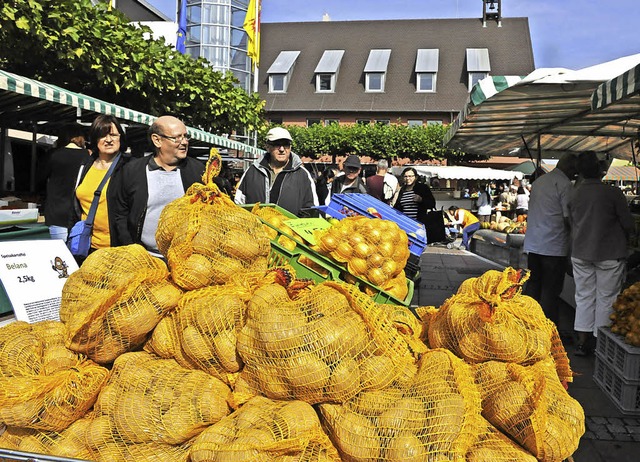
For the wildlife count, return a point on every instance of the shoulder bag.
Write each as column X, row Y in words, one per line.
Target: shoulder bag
column 79, row 241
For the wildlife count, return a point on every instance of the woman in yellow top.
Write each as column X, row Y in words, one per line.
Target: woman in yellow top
column 106, row 140
column 467, row 221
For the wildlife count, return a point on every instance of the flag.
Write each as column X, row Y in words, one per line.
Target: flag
column 182, row 27
column 252, row 27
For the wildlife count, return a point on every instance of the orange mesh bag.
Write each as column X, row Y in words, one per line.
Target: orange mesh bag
column 489, row 319
column 373, row 249
column 529, row 404
column 494, row 446
column 66, row 443
column 37, row 390
column 435, row 415
column 207, row 238
column 156, row 400
column 266, row 430
column 324, row 343
column 114, row 300
column 201, row 333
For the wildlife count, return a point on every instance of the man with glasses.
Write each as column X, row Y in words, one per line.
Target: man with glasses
column 149, row 183
column 278, row 177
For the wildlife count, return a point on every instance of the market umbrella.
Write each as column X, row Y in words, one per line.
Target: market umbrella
column 548, row 110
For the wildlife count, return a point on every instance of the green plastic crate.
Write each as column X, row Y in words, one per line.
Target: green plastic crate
column 323, row 268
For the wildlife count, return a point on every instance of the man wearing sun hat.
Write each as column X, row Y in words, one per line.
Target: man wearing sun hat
column 278, row 177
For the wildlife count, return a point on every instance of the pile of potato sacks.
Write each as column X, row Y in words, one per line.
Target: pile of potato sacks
column 150, row 363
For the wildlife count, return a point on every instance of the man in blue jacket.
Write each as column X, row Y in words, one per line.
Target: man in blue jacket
column 278, row 177
column 147, row 184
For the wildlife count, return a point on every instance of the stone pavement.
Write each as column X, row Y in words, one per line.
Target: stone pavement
column 610, row 436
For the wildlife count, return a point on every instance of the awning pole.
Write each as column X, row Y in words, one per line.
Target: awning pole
column 635, row 166
column 34, row 159
column 3, row 156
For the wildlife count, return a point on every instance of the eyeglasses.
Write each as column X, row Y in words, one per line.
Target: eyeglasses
column 176, row 139
column 278, row 143
column 113, row 136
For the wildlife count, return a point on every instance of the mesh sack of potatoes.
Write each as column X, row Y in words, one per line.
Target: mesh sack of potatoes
column 34, row 349
column 277, row 219
column 201, row 333
column 324, row 343
column 489, row 319
column 493, row 446
column 148, row 399
column 43, row 385
column 266, row 430
column 66, row 443
column 529, row 404
column 373, row 249
column 114, row 300
column 433, row 414
column 207, row 238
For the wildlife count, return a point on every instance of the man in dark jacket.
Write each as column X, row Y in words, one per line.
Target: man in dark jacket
column 149, row 183
column 350, row 182
column 278, row 177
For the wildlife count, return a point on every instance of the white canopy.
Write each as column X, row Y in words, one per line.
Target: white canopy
column 465, row 173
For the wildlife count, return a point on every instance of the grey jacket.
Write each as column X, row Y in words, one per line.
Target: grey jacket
column 293, row 188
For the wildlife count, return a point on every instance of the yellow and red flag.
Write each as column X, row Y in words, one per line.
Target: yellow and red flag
column 252, row 27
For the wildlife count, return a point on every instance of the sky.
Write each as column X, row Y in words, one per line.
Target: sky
column 572, row 34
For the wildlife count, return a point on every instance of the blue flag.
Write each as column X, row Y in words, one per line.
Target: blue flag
column 182, row 27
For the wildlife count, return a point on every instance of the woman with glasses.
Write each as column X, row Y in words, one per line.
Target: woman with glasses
column 106, row 140
column 415, row 198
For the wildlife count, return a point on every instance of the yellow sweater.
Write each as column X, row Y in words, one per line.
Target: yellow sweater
column 85, row 191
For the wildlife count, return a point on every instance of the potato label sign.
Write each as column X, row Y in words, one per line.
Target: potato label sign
column 33, row 274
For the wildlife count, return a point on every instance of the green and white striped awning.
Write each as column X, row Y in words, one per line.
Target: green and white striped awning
column 618, row 90
column 549, row 110
column 25, row 102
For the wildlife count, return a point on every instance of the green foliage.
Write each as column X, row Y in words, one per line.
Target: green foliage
column 375, row 140
column 95, row 51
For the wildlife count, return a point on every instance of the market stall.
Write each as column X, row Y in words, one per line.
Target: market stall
column 223, row 355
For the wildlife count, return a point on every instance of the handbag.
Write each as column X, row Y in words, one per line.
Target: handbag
column 79, row 240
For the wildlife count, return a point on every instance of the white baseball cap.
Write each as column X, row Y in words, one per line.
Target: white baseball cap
column 278, row 133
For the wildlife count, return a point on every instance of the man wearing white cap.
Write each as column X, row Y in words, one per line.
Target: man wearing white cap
column 278, row 177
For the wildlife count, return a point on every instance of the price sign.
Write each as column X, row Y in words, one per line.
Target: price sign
column 306, row 227
column 33, row 274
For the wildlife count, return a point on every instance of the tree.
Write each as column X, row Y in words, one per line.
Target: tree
column 92, row 50
column 375, row 140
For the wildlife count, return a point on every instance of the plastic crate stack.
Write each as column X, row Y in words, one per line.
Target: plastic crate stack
column 348, row 205
column 617, row 371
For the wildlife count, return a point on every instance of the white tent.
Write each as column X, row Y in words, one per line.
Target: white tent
column 464, row 173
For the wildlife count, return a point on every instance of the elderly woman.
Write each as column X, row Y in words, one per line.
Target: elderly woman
column 106, row 141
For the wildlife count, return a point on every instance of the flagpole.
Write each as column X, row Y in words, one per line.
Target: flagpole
column 256, row 71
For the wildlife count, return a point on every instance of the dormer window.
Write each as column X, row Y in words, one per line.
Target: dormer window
column 427, row 69
column 478, row 66
column 281, row 70
column 376, row 70
column 327, row 71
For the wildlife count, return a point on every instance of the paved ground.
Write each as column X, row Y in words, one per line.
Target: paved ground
column 610, row 435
